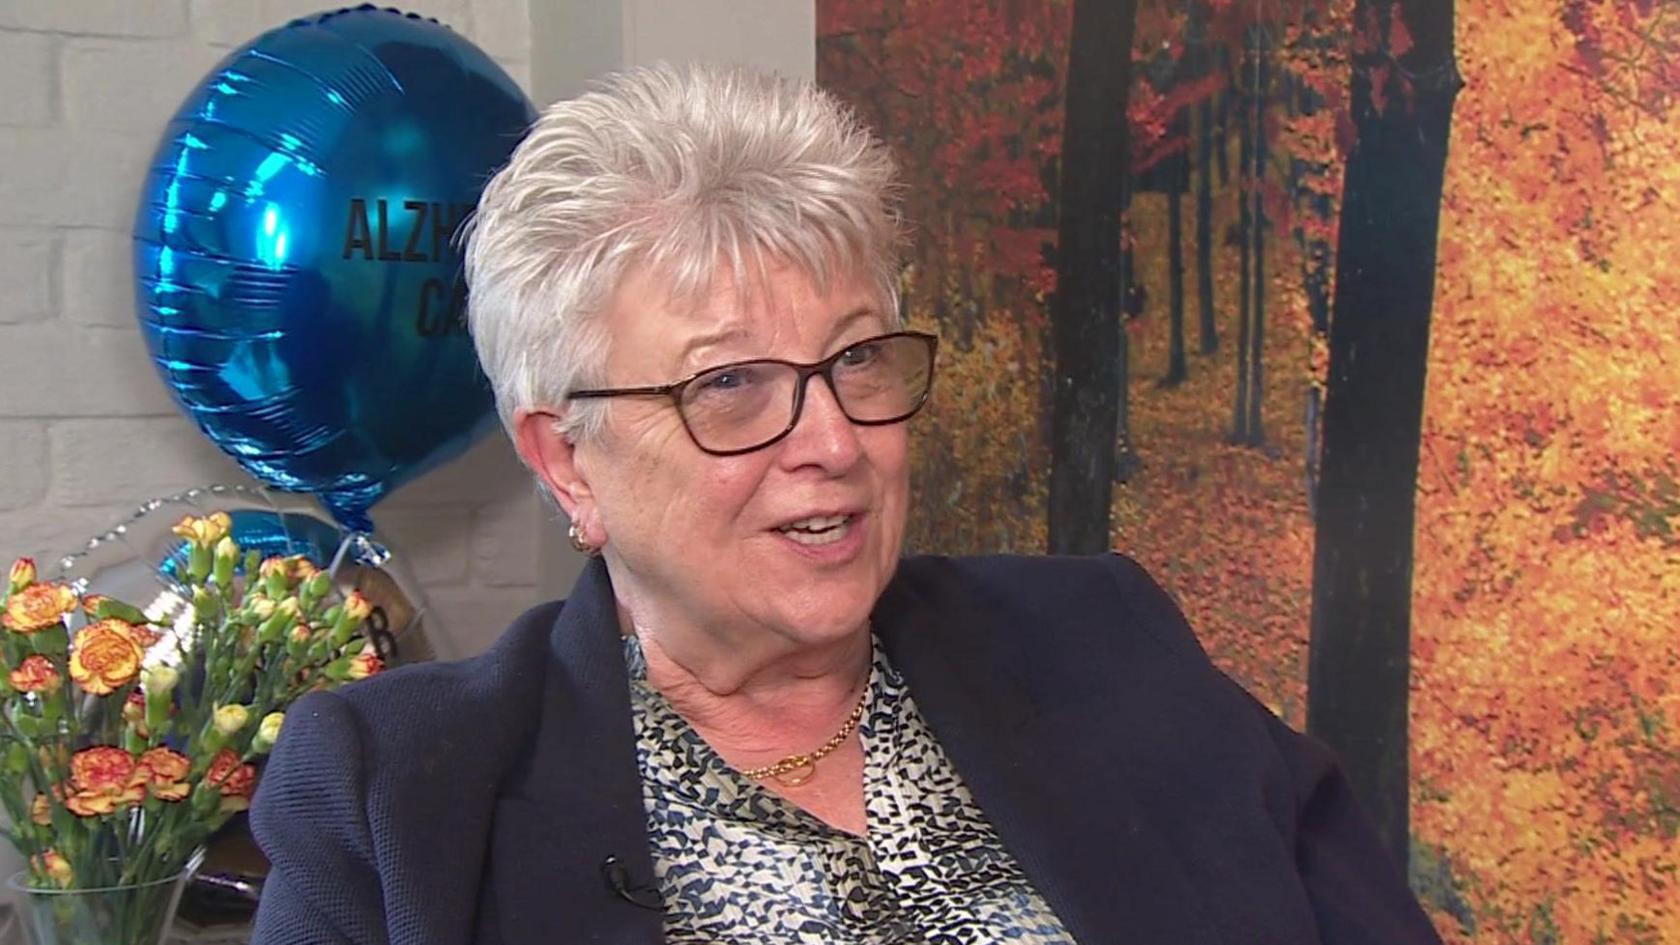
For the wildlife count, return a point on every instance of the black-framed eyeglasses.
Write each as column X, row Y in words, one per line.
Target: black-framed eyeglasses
column 743, row 406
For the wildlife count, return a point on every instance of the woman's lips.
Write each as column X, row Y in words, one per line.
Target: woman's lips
column 819, row 529
column 831, row 537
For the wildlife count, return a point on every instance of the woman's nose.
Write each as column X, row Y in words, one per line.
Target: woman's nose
column 823, row 434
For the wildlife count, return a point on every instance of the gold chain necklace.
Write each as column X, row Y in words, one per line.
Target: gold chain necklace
column 795, row 770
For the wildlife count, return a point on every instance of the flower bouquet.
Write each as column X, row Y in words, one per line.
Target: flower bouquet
column 125, row 744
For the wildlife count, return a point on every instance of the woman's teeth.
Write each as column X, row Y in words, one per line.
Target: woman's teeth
column 822, row 530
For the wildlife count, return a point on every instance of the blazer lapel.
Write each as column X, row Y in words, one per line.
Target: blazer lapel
column 577, row 801
column 1053, row 781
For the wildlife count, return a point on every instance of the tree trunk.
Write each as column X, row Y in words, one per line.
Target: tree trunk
column 1379, row 341
column 1222, row 139
column 1201, row 62
column 1315, row 276
column 1177, row 368
column 1126, row 461
column 1133, row 301
column 1204, row 226
column 1085, row 330
column 1245, row 239
column 1255, row 429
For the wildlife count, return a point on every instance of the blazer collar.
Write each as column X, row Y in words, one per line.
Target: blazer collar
column 1053, row 780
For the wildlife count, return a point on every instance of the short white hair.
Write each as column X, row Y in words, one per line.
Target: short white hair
column 679, row 170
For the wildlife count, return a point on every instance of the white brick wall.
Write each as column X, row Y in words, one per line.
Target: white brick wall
column 96, row 17
column 28, row 262
column 87, row 430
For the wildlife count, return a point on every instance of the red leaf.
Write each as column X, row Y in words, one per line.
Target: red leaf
column 1399, row 36
column 1379, row 87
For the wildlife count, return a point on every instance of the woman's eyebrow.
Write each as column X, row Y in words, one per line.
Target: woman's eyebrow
column 702, row 342
column 850, row 319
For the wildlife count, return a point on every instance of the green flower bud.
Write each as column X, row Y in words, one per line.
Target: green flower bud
column 274, row 583
column 205, row 800
column 160, row 680
column 227, row 560
column 22, row 575
column 159, row 683
column 261, row 606
column 198, row 563
column 268, row 732
column 230, row 719
column 284, row 615
column 316, row 587
column 338, row 670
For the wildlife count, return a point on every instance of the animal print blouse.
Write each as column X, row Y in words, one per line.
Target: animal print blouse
column 735, row 863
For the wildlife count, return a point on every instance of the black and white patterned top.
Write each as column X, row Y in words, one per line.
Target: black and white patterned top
column 735, row 863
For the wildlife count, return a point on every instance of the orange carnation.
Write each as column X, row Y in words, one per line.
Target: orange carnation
column 366, row 663
column 163, row 772
column 38, row 607
column 35, row 674
column 22, row 574
column 101, row 768
column 205, row 531
column 40, row 809
column 105, row 655
column 235, row 781
column 134, row 713
column 54, row 866
column 144, row 636
column 101, row 780
column 293, row 569
column 357, row 607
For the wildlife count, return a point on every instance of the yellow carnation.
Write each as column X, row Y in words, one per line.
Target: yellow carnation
column 206, row 531
column 38, row 607
column 105, row 656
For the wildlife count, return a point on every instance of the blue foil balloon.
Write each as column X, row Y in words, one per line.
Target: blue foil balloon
column 298, row 281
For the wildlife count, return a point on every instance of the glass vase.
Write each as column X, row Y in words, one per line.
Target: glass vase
column 140, row 914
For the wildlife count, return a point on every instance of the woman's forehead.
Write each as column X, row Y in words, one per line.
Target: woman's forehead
column 783, row 307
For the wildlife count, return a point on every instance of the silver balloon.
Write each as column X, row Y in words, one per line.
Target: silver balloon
column 141, row 561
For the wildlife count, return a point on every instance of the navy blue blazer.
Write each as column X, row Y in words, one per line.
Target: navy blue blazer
column 1148, row 798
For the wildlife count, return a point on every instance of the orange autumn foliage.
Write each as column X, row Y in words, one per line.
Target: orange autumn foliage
column 969, row 98
column 1546, row 656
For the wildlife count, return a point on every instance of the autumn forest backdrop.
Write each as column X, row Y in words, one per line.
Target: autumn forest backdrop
column 1354, row 320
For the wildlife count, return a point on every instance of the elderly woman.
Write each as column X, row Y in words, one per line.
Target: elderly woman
column 752, row 722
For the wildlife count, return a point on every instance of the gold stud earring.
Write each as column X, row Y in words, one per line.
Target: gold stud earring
column 580, row 544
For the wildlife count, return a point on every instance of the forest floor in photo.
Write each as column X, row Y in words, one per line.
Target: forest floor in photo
column 1225, row 527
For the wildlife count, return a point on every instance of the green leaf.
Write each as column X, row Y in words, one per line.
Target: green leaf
column 107, row 607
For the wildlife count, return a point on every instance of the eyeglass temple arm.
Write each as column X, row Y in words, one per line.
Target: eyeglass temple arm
column 664, row 391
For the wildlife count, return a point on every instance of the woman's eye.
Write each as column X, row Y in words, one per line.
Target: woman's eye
column 729, row 380
column 861, row 354
column 726, row 380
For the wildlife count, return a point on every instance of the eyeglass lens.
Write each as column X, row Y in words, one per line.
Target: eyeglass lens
column 742, row 406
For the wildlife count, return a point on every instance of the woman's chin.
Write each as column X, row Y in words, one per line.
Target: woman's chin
column 822, row 613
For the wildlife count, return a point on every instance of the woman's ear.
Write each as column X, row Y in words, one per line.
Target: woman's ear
column 553, row 458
